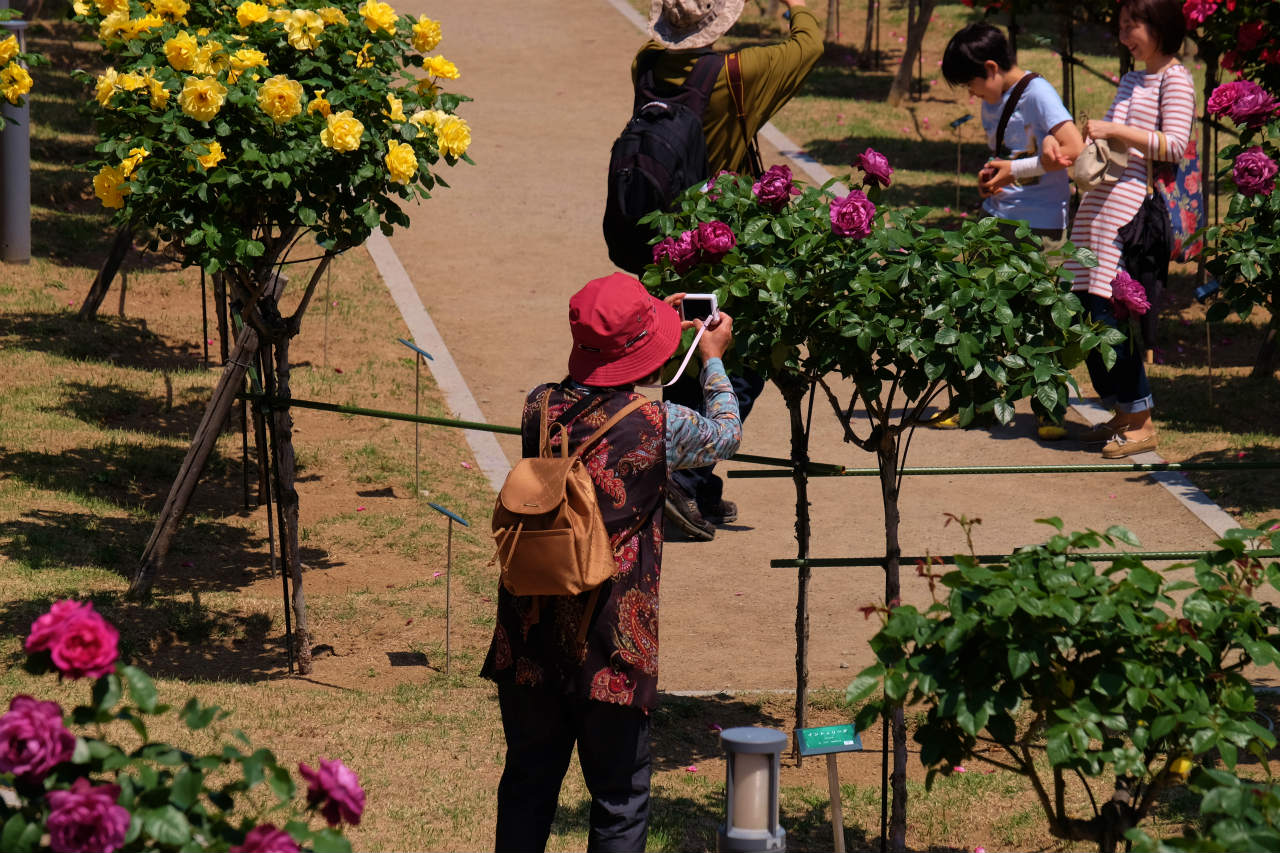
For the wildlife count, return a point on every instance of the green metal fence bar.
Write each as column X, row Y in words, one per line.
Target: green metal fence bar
column 837, row 471
column 856, row 562
column 280, row 402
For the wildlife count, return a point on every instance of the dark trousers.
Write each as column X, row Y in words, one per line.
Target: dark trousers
column 541, row 728
column 705, row 487
column 1126, row 381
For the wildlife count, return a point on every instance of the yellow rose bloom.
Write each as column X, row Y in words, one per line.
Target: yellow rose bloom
column 116, row 25
column 280, row 15
column 14, row 82
column 140, row 26
column 438, row 66
column 106, row 7
column 395, row 108
column 159, row 94
column 209, row 59
column 401, row 162
column 303, row 27
column 378, row 16
column 280, row 98
column 82, row 8
column 129, row 164
column 426, row 34
column 247, row 57
column 427, row 88
column 173, row 10
column 428, row 118
column 181, row 51
column 333, row 15
column 108, row 185
column 248, row 13
column 131, row 82
column 213, row 158
column 202, row 97
column 319, row 104
column 454, row 136
column 343, row 133
column 106, row 86
column 8, row 49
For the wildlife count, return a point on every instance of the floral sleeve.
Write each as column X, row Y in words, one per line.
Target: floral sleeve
column 695, row 440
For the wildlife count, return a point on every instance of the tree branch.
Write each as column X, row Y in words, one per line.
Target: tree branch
column 849, row 434
column 294, row 322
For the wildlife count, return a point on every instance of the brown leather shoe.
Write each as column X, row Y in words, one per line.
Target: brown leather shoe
column 1120, row 446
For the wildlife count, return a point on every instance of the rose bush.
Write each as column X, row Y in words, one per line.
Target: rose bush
column 73, row 789
column 15, row 79
column 1244, row 35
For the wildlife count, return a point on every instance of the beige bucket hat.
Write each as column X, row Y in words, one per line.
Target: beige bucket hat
column 685, row 24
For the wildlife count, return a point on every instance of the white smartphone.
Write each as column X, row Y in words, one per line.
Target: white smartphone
column 700, row 306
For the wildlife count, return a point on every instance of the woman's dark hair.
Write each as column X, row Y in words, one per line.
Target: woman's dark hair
column 1164, row 18
column 969, row 50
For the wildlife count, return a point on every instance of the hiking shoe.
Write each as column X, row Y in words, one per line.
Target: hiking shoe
column 725, row 513
column 682, row 512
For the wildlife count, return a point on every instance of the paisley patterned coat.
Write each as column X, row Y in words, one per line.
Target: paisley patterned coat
column 536, row 644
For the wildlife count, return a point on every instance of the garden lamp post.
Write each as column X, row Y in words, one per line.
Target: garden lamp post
column 15, row 168
column 751, row 790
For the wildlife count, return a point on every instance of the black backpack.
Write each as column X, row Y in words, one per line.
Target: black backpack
column 661, row 152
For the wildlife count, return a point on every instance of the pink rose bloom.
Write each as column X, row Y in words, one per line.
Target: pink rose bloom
column 1254, row 172
column 852, row 215
column 267, row 839
column 33, row 739
column 682, row 251
column 715, row 239
column 875, row 166
column 1195, row 11
column 81, row 643
column 1128, row 296
column 1250, row 35
column 775, row 187
column 86, row 819
column 1243, row 101
column 336, row 790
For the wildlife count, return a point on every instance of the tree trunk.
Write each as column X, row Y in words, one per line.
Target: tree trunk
column 281, row 424
column 887, row 460
column 220, row 312
column 202, row 444
column 793, row 393
column 106, row 273
column 833, row 21
column 915, row 39
column 868, row 57
column 1265, row 364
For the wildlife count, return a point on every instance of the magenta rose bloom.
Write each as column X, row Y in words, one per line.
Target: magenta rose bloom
column 852, row 215
column 1128, row 296
column 682, row 251
column 1244, row 102
column 81, row 643
column 1222, row 98
column 1254, row 172
column 1250, row 35
column 267, row 839
column 33, row 739
column 714, row 240
column 86, row 819
column 775, row 187
column 336, row 790
column 1196, row 11
column 875, row 166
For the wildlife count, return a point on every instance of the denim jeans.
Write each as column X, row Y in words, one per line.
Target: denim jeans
column 1125, row 383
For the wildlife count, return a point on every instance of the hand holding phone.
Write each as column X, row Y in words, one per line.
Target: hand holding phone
column 700, row 306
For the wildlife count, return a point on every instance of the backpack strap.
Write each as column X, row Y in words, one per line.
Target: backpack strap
column 609, row 424
column 1010, row 105
column 562, row 422
column 734, row 66
column 693, row 93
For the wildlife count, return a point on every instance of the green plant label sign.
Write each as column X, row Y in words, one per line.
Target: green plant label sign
column 827, row 739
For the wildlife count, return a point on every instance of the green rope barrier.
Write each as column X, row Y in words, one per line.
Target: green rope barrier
column 857, row 562
column 836, row 471
column 282, row 403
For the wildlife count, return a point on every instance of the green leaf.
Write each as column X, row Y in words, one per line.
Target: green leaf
column 864, row 684
column 166, row 825
column 281, row 783
column 186, row 788
column 141, row 688
column 106, row 692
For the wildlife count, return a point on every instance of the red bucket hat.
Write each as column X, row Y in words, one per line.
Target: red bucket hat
column 621, row 334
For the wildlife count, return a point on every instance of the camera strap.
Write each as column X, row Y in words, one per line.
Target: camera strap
column 688, row 355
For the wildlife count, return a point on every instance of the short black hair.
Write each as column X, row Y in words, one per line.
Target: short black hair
column 1164, row 18
column 970, row 49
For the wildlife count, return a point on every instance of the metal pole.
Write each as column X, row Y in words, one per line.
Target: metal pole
column 448, row 586
column 204, row 316
column 417, row 429
column 15, row 167
column 327, row 281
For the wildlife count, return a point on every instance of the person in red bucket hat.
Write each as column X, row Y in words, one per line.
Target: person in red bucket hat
column 553, row 693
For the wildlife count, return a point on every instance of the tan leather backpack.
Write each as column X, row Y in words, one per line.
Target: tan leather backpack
column 550, row 535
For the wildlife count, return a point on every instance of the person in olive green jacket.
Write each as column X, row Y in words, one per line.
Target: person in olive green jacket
column 681, row 31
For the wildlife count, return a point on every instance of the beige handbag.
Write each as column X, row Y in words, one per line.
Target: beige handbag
column 1098, row 163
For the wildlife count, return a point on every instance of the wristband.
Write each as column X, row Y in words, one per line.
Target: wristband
column 1025, row 168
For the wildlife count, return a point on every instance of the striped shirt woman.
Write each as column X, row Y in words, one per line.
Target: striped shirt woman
column 1108, row 207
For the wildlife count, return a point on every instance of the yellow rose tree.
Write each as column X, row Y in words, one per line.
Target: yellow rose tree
column 234, row 133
